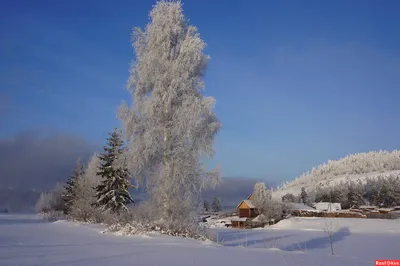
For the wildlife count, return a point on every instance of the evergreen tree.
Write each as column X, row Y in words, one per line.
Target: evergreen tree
column 374, row 198
column 206, row 206
column 396, row 191
column 112, row 193
column 386, row 196
column 216, row 205
column 288, row 197
column 354, row 196
column 304, row 196
column 70, row 188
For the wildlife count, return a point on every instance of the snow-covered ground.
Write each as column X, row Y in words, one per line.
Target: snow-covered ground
column 27, row 240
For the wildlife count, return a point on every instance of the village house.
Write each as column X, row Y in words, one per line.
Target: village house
column 328, row 206
column 245, row 210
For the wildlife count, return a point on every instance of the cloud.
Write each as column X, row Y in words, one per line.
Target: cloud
column 30, row 161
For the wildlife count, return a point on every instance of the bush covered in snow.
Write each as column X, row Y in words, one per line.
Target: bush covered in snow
column 50, row 204
column 144, row 219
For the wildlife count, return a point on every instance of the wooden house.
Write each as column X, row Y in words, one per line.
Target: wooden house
column 246, row 208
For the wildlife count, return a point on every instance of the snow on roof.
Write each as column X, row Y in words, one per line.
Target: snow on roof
column 239, row 220
column 368, row 207
column 248, row 202
column 299, row 206
column 325, row 206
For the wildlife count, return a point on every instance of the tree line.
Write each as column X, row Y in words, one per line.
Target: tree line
column 381, row 191
column 169, row 128
column 91, row 192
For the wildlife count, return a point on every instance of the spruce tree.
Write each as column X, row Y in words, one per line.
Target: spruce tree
column 206, row 206
column 216, row 205
column 374, row 200
column 386, row 196
column 304, row 196
column 355, row 196
column 112, row 193
column 70, row 188
column 288, row 197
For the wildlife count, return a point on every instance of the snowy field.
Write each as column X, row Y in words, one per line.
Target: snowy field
column 27, row 240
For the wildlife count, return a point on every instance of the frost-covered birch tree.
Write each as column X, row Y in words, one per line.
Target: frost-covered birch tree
column 170, row 126
column 85, row 193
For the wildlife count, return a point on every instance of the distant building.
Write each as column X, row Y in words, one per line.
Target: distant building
column 328, row 206
column 246, row 208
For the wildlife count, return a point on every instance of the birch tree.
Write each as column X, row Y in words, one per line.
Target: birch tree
column 170, row 125
column 85, row 193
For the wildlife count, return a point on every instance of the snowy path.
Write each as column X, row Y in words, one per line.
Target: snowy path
column 26, row 240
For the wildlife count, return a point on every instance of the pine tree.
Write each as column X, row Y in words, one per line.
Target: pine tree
column 386, row 196
column 216, row 205
column 112, row 193
column 396, row 191
column 355, row 196
column 303, row 195
column 170, row 125
column 70, row 187
column 374, row 200
column 288, row 197
column 206, row 206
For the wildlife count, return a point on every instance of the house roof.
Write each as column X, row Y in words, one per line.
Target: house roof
column 327, row 205
column 249, row 197
column 248, row 202
column 299, row 206
column 244, row 219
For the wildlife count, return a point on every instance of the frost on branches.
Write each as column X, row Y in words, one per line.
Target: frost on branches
column 85, row 193
column 359, row 165
column 170, row 126
column 266, row 206
column 112, row 193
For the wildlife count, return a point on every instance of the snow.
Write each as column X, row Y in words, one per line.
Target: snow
column 299, row 206
column 213, row 221
column 239, row 219
column 327, row 206
column 27, row 240
column 376, row 226
column 249, row 203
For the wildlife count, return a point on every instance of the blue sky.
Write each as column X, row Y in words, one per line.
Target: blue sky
column 296, row 82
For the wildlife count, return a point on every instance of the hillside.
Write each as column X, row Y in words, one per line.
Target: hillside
column 361, row 166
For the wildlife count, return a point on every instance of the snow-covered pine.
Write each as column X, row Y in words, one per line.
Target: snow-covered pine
column 288, row 197
column 112, row 193
column 170, row 126
column 355, row 195
column 303, row 196
column 70, row 186
column 206, row 206
column 216, row 204
column 386, row 195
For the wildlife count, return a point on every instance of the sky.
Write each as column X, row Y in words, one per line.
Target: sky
column 296, row 83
